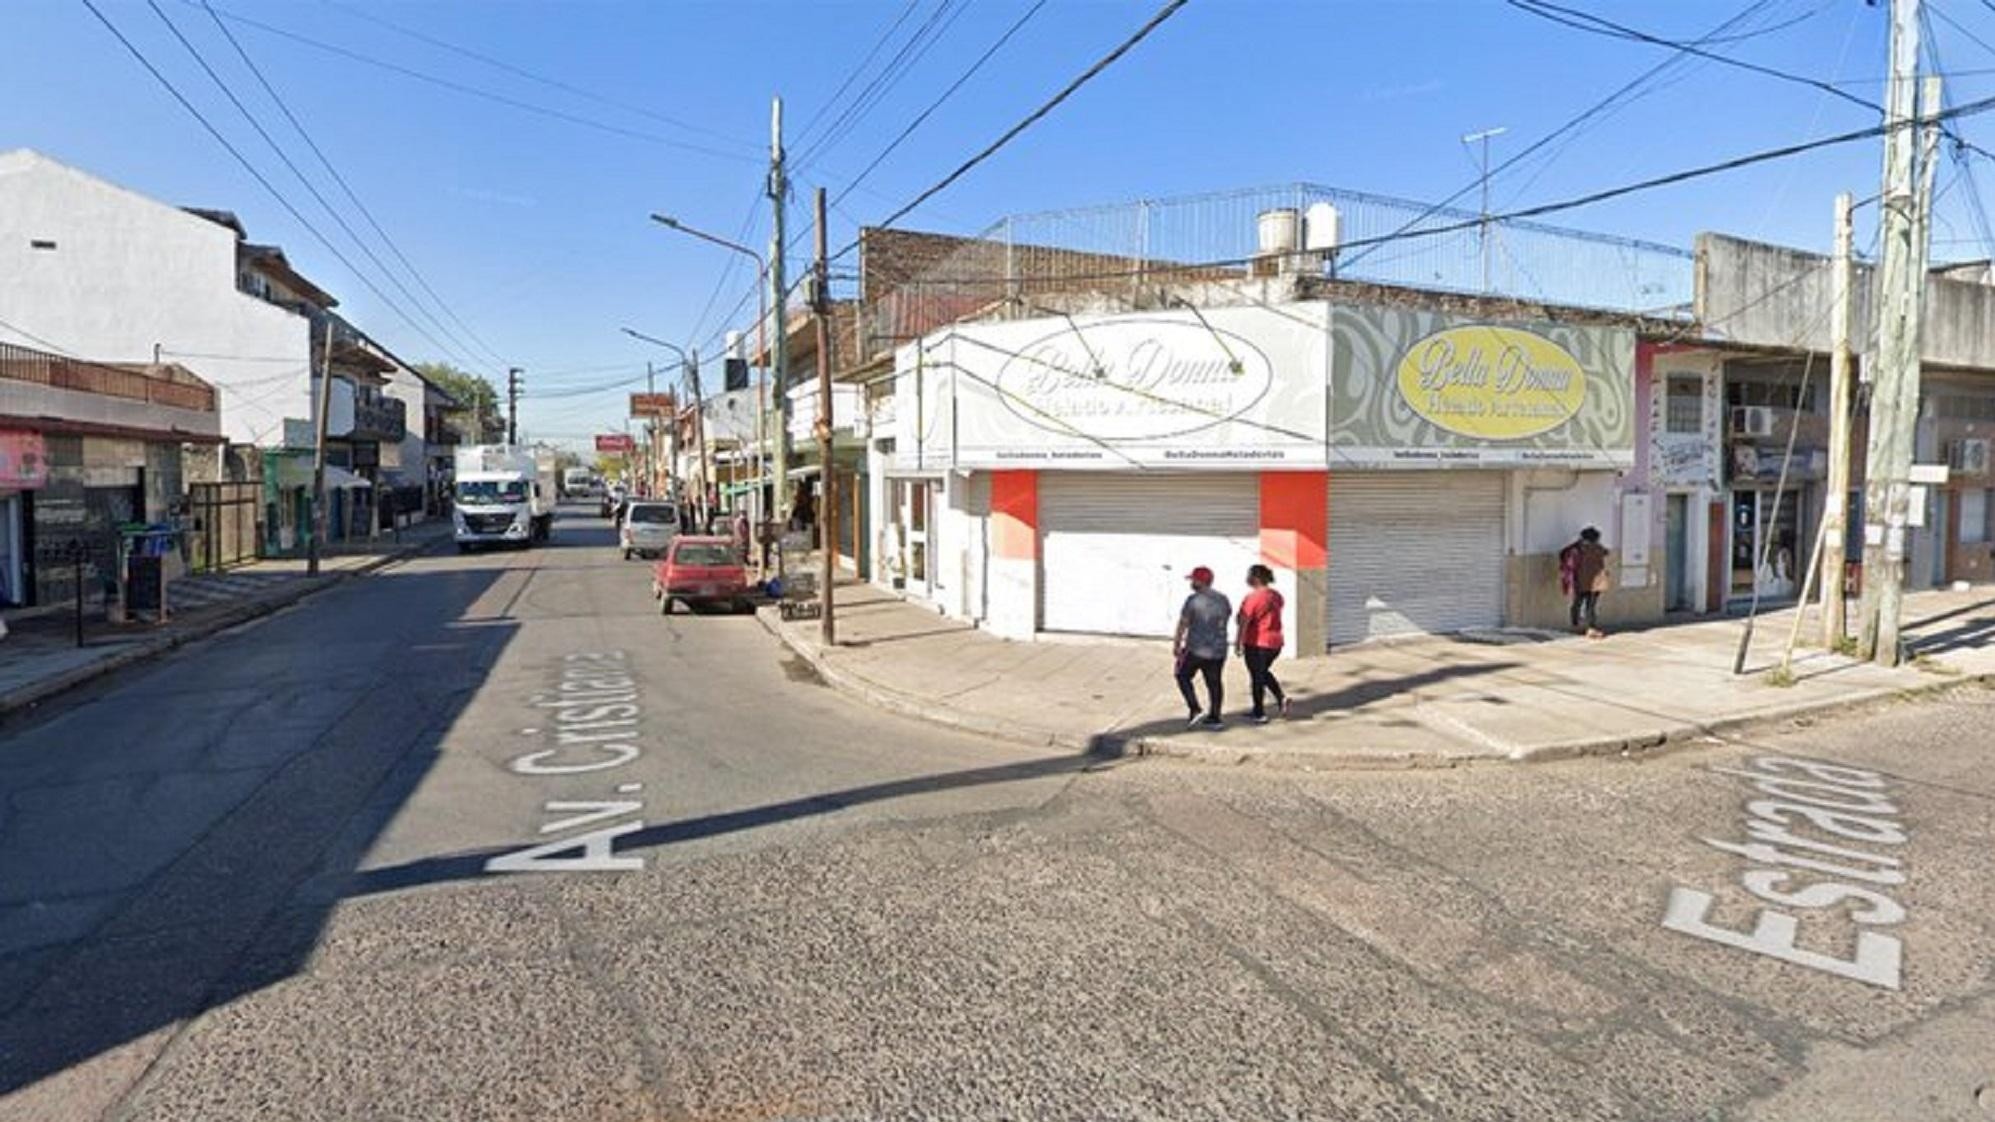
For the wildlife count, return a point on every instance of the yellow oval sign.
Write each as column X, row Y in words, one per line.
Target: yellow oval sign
column 1492, row 383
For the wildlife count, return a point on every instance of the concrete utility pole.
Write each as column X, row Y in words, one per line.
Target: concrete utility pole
column 1895, row 390
column 780, row 356
column 827, row 500
column 700, row 433
column 513, row 404
column 1835, row 506
column 319, row 458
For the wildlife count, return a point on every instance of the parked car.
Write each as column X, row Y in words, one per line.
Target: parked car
column 648, row 527
column 700, row 570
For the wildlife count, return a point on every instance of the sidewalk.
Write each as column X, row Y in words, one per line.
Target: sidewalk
column 39, row 657
column 1417, row 702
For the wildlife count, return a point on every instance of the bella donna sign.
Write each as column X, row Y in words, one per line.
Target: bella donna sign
column 1418, row 389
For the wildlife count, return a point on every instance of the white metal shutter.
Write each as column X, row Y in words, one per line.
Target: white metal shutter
column 1115, row 549
column 1414, row 552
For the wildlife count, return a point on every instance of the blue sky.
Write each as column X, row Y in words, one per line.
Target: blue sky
column 533, row 229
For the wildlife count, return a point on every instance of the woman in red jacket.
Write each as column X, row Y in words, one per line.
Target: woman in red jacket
column 1260, row 640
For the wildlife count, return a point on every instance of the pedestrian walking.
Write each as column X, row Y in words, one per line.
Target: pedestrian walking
column 1583, row 577
column 741, row 535
column 1200, row 647
column 1260, row 640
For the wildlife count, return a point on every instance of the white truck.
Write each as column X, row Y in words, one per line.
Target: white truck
column 505, row 495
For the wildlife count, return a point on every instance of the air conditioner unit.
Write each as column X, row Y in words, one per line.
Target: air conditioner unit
column 1752, row 420
column 1969, row 457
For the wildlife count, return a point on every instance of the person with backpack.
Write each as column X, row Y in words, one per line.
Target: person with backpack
column 1582, row 578
column 1260, row 641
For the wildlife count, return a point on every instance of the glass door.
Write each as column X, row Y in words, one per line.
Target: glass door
column 1676, row 555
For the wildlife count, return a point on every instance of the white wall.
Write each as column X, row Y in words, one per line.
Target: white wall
column 129, row 274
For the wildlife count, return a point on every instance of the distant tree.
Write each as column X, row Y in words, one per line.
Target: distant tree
column 482, row 419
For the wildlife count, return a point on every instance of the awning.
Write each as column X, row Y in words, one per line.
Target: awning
column 338, row 477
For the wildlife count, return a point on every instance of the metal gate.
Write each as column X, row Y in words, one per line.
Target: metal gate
column 1116, row 547
column 227, row 523
column 1415, row 552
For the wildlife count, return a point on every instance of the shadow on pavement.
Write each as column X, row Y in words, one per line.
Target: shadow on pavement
column 153, row 828
column 1349, row 699
column 471, row 866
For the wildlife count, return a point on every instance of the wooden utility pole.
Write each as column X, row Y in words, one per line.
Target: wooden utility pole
column 319, row 457
column 780, row 354
column 1895, row 389
column 827, row 499
column 1835, row 505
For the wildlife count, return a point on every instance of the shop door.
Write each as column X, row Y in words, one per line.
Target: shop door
column 1676, row 554
column 1766, row 536
column 1415, row 552
column 913, row 528
column 1116, row 549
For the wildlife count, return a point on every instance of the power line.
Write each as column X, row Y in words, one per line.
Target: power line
column 1169, row 9
column 479, row 92
column 252, row 169
column 1575, row 122
column 803, row 134
column 939, row 101
column 310, row 187
column 553, row 83
column 912, row 52
column 490, row 354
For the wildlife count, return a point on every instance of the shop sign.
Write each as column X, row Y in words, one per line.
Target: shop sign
column 615, row 443
column 651, row 405
column 1492, row 383
column 23, row 460
column 1229, row 387
column 1412, row 388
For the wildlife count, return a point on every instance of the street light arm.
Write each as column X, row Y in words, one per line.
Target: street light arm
column 654, row 340
column 671, row 223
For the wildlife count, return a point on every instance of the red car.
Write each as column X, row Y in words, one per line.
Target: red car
column 700, row 570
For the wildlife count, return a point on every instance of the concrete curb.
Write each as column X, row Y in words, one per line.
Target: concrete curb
column 33, row 694
column 1645, row 742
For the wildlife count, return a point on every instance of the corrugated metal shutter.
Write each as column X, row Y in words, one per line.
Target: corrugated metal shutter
column 1414, row 552
column 1115, row 549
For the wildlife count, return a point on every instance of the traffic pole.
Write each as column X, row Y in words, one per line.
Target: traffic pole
column 827, row 503
column 1835, row 518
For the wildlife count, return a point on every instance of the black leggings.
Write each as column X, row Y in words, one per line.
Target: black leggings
column 1211, row 669
column 1261, row 676
column 1585, row 610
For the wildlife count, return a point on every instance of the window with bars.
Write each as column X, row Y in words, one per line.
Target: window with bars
column 1684, row 405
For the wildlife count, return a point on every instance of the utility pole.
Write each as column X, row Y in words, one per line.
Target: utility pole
column 1482, row 230
column 1836, row 504
column 1895, row 388
column 513, row 404
column 780, row 355
column 319, row 456
column 700, row 432
column 827, row 500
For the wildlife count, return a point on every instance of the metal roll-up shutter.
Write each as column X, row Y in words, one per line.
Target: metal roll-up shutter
column 1115, row 549
column 1414, row 552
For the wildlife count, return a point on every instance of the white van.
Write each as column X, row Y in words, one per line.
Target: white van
column 649, row 525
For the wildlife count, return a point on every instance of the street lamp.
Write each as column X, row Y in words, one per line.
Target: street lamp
column 691, row 362
column 761, row 347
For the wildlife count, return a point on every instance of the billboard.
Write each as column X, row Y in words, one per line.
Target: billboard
column 1226, row 387
column 652, row 405
column 615, row 443
column 1412, row 388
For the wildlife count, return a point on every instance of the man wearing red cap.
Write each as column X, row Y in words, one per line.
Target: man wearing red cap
column 1200, row 647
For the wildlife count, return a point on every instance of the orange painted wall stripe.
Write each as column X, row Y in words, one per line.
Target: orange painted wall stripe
column 1015, row 514
column 1295, row 519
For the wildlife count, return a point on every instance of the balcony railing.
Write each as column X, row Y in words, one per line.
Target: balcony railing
column 134, row 383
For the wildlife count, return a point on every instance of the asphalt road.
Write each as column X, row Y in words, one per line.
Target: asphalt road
column 486, row 837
